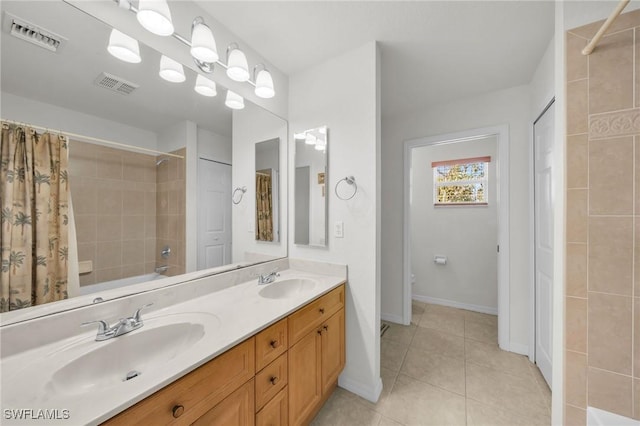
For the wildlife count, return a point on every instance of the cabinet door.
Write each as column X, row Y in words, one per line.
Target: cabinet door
column 333, row 350
column 237, row 409
column 305, row 387
column 276, row 412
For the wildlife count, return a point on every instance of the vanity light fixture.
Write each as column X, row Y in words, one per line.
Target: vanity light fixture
column 264, row 82
column 203, row 45
column 233, row 100
column 237, row 66
column 171, row 70
column 205, row 87
column 300, row 136
column 321, row 144
column 310, row 139
column 155, row 16
column 124, row 47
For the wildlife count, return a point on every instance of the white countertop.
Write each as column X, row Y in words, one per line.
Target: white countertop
column 233, row 314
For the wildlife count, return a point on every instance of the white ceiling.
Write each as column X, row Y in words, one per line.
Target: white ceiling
column 432, row 51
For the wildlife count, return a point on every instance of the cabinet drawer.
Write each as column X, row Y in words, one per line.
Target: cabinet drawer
column 271, row 343
column 236, row 409
column 276, row 412
column 271, row 380
column 312, row 315
column 188, row 398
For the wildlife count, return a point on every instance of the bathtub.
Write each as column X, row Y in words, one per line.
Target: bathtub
column 109, row 285
column 597, row 417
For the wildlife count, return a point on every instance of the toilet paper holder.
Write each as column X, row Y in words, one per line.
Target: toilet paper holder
column 440, row 260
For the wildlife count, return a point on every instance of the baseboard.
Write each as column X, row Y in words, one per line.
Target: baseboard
column 454, row 304
column 519, row 348
column 360, row 389
column 392, row 318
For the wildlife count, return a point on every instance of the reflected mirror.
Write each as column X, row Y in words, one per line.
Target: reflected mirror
column 151, row 163
column 267, row 190
column 310, row 187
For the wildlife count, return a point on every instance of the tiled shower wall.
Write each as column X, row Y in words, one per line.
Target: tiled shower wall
column 602, row 328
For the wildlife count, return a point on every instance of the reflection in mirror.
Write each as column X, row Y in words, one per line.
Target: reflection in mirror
column 149, row 172
column 310, row 189
column 267, row 190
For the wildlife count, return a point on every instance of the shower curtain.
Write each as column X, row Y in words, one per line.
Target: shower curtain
column 264, row 209
column 34, row 233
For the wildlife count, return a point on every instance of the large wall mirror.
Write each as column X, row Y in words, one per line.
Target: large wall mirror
column 311, row 187
column 157, row 203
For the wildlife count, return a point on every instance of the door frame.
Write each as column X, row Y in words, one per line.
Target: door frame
column 532, row 235
column 502, row 134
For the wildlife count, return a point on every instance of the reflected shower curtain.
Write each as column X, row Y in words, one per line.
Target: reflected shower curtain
column 264, row 210
column 34, row 201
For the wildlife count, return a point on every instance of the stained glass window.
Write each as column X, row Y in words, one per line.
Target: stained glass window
column 461, row 182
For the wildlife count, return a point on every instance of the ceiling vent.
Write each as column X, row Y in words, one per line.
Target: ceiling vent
column 115, row 84
column 32, row 33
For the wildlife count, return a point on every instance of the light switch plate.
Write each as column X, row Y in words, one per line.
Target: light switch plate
column 250, row 226
column 338, row 231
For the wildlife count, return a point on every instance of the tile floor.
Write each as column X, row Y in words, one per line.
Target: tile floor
column 446, row 369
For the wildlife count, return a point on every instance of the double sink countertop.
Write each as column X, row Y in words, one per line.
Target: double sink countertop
column 80, row 381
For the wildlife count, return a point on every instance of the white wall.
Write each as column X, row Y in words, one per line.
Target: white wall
column 39, row 113
column 251, row 125
column 213, row 146
column 466, row 235
column 542, row 84
column 509, row 106
column 343, row 93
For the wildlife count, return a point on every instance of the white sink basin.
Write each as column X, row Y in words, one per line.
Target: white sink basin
column 108, row 363
column 287, row 288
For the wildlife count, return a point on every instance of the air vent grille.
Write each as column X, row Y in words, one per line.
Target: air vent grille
column 115, row 84
column 32, row 33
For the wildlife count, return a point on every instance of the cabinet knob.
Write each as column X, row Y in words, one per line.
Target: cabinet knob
column 322, row 310
column 274, row 380
column 274, row 344
column 320, row 332
column 326, row 327
column 177, row 411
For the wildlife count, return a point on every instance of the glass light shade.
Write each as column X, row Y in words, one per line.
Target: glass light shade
column 233, row 100
column 155, row 16
column 171, row 70
column 205, row 87
column 124, row 47
column 203, row 45
column 264, row 85
column 300, row 136
column 237, row 66
column 310, row 139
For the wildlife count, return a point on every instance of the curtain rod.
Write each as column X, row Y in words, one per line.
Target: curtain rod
column 596, row 38
column 91, row 138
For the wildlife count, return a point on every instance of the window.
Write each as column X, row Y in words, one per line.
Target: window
column 461, row 182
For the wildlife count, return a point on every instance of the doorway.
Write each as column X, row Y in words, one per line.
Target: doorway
column 499, row 198
column 214, row 214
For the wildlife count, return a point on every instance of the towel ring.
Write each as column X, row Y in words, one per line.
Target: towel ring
column 349, row 180
column 235, row 191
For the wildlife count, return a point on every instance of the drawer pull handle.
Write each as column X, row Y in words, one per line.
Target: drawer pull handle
column 320, row 332
column 322, row 310
column 274, row 344
column 177, row 411
column 274, row 380
column 326, row 327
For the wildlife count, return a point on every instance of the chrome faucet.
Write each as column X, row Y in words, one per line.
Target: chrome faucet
column 123, row 326
column 268, row 278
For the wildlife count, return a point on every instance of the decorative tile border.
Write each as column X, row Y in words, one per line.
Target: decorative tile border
column 611, row 124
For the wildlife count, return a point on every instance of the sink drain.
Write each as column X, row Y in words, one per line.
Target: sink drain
column 132, row 375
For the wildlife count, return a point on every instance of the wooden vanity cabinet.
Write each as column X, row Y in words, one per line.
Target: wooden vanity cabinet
column 280, row 376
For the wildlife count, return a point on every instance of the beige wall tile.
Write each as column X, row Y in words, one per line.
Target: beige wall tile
column 109, row 228
column 162, row 202
column 637, row 71
column 109, row 165
column 162, row 226
column 576, row 61
column 150, row 226
column 577, row 161
column 109, row 274
column 110, row 201
column 133, row 202
column 87, row 251
column 149, row 267
column 636, row 399
column 611, row 176
column 576, row 270
column 133, row 167
column 577, row 112
column 576, row 324
column 85, row 198
column 162, row 172
column 637, row 166
column 610, row 322
column 574, row 416
column 87, row 279
column 611, row 73
column 624, row 21
column 611, row 254
column 86, row 228
column 133, row 252
column 577, row 215
column 133, row 270
column 82, row 164
column 108, row 255
column 150, row 250
column 611, row 392
column 150, row 203
column 636, row 339
column 133, row 228
column 576, row 379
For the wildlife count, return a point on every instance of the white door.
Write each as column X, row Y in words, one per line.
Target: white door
column 543, row 131
column 214, row 214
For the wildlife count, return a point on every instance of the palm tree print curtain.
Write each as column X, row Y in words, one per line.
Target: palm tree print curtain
column 35, row 205
column 264, row 210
